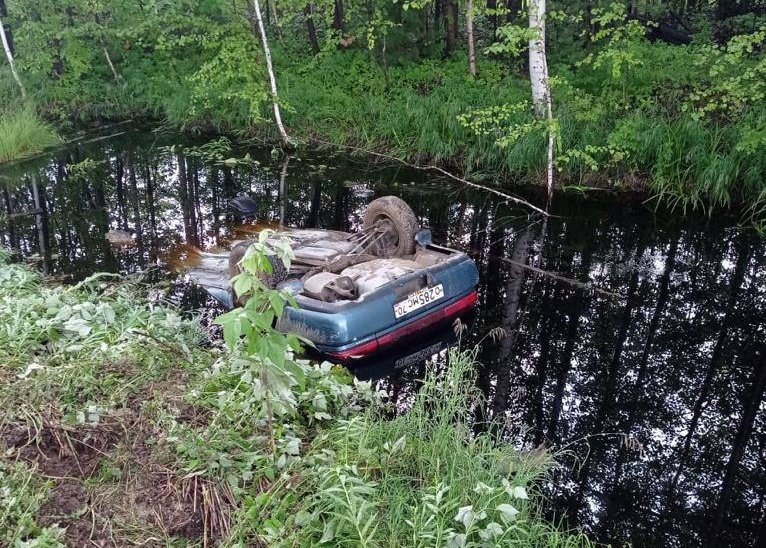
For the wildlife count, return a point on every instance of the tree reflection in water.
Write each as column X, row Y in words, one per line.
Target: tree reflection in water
column 657, row 395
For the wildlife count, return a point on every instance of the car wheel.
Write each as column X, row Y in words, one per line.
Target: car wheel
column 395, row 226
column 278, row 271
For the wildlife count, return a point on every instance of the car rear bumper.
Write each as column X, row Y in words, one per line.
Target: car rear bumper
column 381, row 341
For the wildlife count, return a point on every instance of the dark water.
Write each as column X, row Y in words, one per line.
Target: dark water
column 648, row 375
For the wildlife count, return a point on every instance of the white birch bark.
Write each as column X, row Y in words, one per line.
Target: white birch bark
column 538, row 76
column 538, row 65
column 9, row 56
column 272, row 79
column 111, row 65
column 469, row 33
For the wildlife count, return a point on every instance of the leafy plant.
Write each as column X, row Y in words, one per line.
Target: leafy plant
column 421, row 479
column 735, row 77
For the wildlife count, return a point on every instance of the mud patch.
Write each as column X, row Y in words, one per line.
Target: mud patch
column 113, row 485
column 62, row 452
column 68, row 507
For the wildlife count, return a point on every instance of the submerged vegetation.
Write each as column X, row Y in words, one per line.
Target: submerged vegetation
column 664, row 97
column 122, row 423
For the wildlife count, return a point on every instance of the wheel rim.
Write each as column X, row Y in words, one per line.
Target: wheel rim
column 388, row 241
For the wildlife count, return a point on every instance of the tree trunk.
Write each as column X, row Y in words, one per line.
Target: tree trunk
column 316, row 200
column 469, row 34
column 538, row 76
column 119, row 183
column 283, row 190
column 338, row 16
column 514, row 10
column 575, row 307
column 183, row 192
column 308, row 11
column 492, row 5
column 151, row 206
column 9, row 56
column 704, row 388
column 511, row 320
column 450, row 26
column 40, row 225
column 135, row 205
column 272, row 7
column 744, row 432
column 116, row 75
column 272, row 79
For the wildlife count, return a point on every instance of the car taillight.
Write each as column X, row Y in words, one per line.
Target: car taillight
column 466, row 303
column 357, row 352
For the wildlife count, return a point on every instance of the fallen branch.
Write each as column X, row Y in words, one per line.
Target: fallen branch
column 559, row 277
column 507, row 197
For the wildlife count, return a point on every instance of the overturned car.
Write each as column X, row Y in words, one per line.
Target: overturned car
column 359, row 293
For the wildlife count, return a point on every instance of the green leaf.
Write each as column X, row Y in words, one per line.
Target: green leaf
column 277, row 302
column 329, row 532
column 242, row 284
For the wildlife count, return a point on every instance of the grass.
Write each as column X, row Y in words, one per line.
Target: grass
column 118, row 426
column 22, row 492
column 424, row 478
column 22, row 133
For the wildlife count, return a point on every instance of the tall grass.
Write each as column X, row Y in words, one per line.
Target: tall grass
column 23, row 133
column 421, row 479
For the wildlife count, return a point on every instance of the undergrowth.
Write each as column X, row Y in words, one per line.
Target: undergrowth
column 118, row 427
column 422, row 479
column 683, row 123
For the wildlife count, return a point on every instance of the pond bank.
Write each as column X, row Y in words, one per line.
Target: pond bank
column 122, row 422
column 23, row 133
column 685, row 293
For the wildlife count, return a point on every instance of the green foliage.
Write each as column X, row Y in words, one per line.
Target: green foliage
column 22, row 133
column 302, row 453
column 21, row 495
column 421, row 479
column 619, row 53
column 734, row 77
column 255, row 319
column 380, row 81
column 69, row 344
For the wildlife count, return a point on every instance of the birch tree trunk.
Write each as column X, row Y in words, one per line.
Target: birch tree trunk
column 469, row 33
column 9, row 56
column 116, row 74
column 272, row 79
column 538, row 76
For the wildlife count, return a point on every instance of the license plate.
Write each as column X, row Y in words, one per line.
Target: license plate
column 419, row 299
column 422, row 355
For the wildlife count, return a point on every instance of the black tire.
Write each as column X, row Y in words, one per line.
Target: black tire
column 278, row 270
column 398, row 224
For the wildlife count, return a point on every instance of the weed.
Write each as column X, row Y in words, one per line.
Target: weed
column 422, row 479
column 23, row 133
column 21, row 495
column 245, row 447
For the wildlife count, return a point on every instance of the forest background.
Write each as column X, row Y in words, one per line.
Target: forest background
column 667, row 97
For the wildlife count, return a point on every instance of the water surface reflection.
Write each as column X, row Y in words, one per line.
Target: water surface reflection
column 653, row 366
